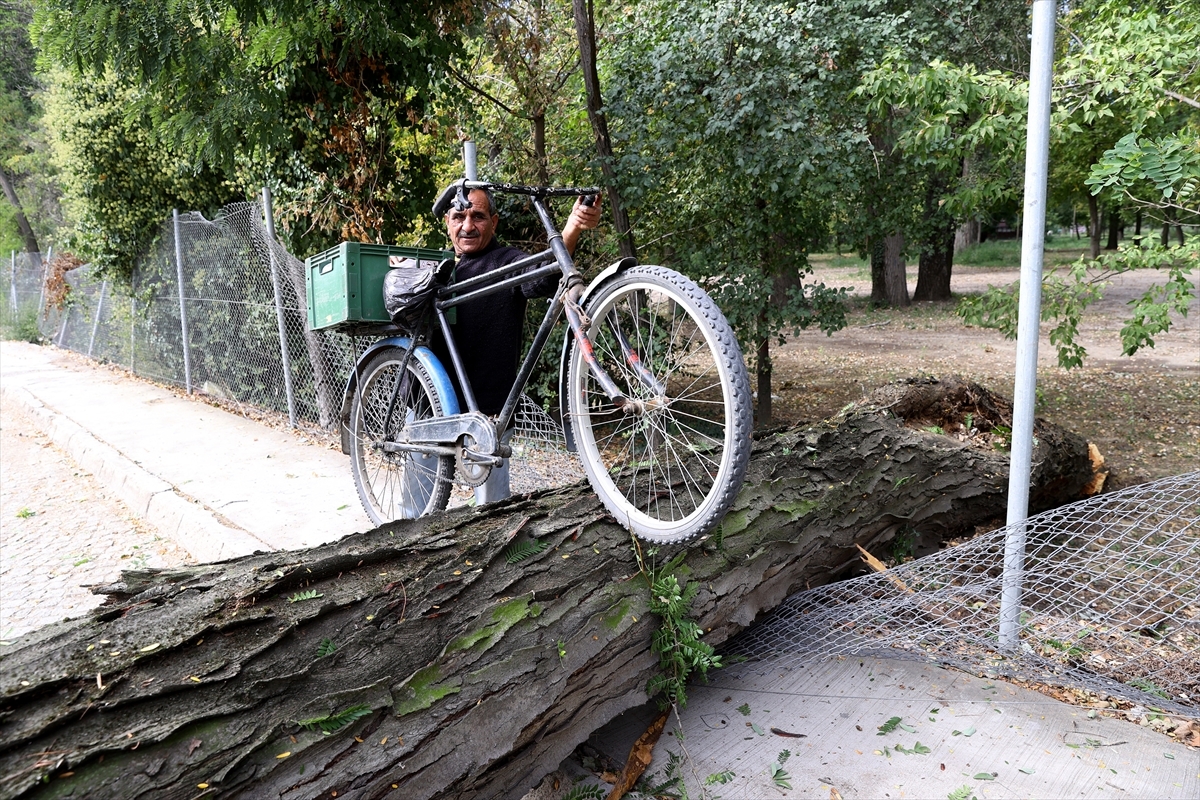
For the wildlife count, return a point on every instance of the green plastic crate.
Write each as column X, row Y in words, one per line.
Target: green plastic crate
column 345, row 284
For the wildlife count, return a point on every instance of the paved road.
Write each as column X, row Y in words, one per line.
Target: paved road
column 60, row 530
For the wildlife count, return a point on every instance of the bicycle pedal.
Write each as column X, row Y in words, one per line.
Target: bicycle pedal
column 483, row 458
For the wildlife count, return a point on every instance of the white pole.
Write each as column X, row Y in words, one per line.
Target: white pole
column 1037, row 156
column 470, row 161
column 96, row 319
column 269, row 216
column 183, row 324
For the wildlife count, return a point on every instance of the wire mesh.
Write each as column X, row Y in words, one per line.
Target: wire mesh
column 21, row 279
column 1111, row 602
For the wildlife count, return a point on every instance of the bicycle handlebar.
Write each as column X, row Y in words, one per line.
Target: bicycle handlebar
column 460, row 187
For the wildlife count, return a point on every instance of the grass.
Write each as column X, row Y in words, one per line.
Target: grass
column 1007, row 252
column 994, row 253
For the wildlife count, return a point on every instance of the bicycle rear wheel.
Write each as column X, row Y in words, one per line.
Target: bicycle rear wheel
column 398, row 485
column 671, row 471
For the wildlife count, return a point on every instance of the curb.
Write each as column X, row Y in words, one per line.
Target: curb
column 188, row 523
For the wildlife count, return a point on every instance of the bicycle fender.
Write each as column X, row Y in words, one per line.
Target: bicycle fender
column 569, row 341
column 432, row 365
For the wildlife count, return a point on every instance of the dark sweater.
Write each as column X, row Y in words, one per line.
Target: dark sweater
column 488, row 331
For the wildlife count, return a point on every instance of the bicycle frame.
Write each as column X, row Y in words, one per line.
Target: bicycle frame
column 439, row 435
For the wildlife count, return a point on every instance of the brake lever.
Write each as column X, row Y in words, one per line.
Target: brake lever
column 461, row 202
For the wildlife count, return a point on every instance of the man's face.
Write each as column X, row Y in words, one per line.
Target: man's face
column 471, row 231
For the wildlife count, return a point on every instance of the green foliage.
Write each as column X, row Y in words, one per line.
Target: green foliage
column 519, row 551
column 889, row 726
column 119, row 180
column 778, row 775
column 1149, row 687
column 325, row 100
column 1170, row 164
column 724, row 776
column 585, row 791
column 333, row 722
column 326, row 648
column 676, row 642
column 20, row 325
column 1066, row 294
column 300, row 597
column 963, row 792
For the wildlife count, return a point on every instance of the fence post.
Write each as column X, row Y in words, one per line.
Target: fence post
column 96, row 321
column 132, row 326
column 1037, row 149
column 12, row 284
column 42, row 280
column 187, row 348
column 269, row 215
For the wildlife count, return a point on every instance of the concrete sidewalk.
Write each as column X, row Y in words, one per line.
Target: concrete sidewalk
column 864, row 727
column 216, row 484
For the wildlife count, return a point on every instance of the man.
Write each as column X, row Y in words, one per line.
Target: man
column 488, row 330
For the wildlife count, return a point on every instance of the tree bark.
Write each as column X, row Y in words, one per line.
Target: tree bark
column 585, row 30
column 1114, row 228
column 966, row 235
column 1093, row 226
column 469, row 672
column 539, row 147
column 878, row 271
column 895, row 271
column 763, row 410
column 26, row 230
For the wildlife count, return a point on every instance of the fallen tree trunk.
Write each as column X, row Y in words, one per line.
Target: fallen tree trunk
column 466, row 654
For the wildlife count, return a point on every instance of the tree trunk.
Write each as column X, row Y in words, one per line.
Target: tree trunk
column 966, row 235
column 934, row 269
column 895, row 272
column 763, row 412
column 539, row 147
column 450, row 657
column 585, row 30
column 23, row 226
column 1093, row 226
column 878, row 272
column 1114, row 229
column 1137, row 229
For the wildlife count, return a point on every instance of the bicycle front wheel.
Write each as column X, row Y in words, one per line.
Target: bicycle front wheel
column 671, row 469
column 395, row 485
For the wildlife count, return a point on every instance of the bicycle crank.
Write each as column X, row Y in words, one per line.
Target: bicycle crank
column 471, row 467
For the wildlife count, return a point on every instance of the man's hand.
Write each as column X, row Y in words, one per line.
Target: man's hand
column 583, row 218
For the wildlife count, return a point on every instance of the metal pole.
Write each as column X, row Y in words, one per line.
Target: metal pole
column 269, row 214
column 470, row 163
column 132, row 326
column 1037, row 156
column 42, row 279
column 96, row 321
column 183, row 326
column 12, row 284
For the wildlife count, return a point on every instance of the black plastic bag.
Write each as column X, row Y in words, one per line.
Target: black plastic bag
column 408, row 288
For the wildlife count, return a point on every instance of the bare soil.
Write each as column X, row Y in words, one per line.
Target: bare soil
column 1141, row 411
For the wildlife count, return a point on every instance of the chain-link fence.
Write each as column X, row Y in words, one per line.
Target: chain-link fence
column 219, row 307
column 1111, row 602
column 22, row 282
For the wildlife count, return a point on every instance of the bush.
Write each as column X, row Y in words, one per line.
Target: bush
column 20, row 325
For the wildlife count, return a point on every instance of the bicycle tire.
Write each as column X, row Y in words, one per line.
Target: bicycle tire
column 669, row 474
column 395, row 486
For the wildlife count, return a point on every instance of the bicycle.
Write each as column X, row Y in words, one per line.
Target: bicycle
column 653, row 391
